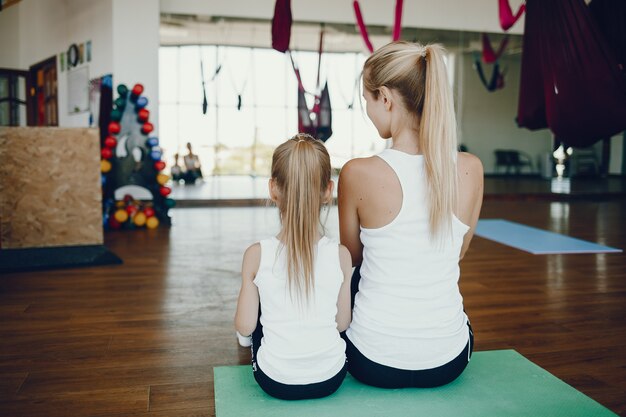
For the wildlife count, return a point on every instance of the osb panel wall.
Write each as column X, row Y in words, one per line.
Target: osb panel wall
column 50, row 193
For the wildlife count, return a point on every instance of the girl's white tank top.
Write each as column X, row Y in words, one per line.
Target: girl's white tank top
column 301, row 344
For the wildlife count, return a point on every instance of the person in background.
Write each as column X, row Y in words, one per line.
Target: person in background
column 176, row 171
column 193, row 169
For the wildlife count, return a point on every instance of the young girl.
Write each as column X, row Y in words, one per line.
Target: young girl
column 298, row 282
column 407, row 217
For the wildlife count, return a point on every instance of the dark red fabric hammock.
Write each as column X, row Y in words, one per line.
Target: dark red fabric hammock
column 507, row 18
column 570, row 80
column 281, row 25
column 317, row 122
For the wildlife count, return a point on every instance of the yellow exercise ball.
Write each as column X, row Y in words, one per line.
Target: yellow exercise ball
column 140, row 219
column 121, row 215
column 152, row 222
column 105, row 166
column 162, row 178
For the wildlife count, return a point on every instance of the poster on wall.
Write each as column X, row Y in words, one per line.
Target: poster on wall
column 78, row 90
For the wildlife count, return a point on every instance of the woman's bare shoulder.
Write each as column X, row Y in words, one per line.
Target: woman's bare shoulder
column 469, row 167
column 359, row 165
column 359, row 169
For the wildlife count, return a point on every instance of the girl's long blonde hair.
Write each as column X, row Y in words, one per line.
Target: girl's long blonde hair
column 301, row 171
column 418, row 74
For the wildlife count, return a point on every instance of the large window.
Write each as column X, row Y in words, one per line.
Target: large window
column 252, row 105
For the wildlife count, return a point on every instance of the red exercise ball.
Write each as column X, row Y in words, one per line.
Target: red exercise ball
column 110, row 142
column 159, row 165
column 165, row 191
column 114, row 128
column 147, row 128
column 149, row 211
column 137, row 90
column 131, row 210
column 143, row 115
column 106, row 153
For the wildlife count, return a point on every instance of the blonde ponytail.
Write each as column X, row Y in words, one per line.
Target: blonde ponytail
column 301, row 169
column 438, row 141
column 418, row 74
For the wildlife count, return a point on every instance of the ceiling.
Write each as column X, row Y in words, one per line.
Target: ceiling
column 194, row 30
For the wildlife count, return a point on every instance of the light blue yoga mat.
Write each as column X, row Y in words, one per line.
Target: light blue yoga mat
column 535, row 241
column 499, row 383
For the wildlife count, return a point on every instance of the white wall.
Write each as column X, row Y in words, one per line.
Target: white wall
column 124, row 39
column 45, row 28
column 86, row 20
column 474, row 15
column 487, row 120
column 9, row 38
column 136, row 49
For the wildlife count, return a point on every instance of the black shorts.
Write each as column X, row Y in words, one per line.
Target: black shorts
column 377, row 375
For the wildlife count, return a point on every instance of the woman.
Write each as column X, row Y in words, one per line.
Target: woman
column 407, row 217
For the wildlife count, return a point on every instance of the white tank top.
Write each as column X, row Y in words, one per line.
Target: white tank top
column 408, row 313
column 301, row 343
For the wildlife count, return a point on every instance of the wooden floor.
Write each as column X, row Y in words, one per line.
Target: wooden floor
column 141, row 339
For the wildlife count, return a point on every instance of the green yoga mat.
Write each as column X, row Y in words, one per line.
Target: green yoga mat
column 499, row 383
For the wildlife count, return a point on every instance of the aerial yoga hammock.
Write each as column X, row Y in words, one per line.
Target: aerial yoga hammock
column 281, row 25
column 496, row 82
column 397, row 24
column 571, row 81
column 205, row 103
column 507, row 18
column 318, row 121
column 489, row 56
column 239, row 89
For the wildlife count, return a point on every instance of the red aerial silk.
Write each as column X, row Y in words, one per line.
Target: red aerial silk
column 397, row 24
column 362, row 28
column 281, row 25
column 507, row 18
column 489, row 56
column 570, row 80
